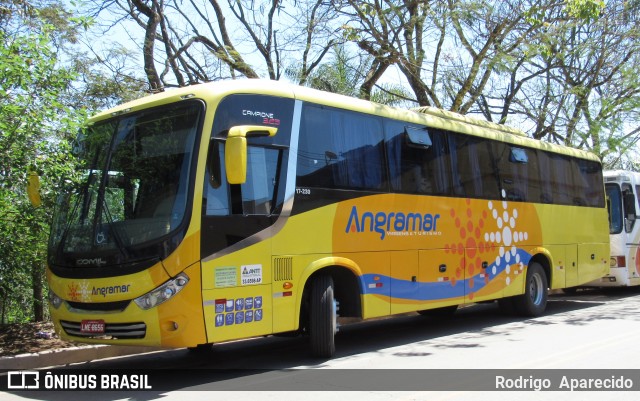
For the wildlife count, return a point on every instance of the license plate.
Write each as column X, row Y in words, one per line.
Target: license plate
column 92, row 326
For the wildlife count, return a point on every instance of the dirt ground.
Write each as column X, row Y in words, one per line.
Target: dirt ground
column 24, row 338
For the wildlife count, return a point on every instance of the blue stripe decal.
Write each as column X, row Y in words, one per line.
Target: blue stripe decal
column 431, row 291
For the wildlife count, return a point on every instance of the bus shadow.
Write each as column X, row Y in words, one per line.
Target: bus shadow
column 242, row 364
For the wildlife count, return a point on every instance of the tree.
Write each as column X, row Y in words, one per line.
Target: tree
column 105, row 78
column 564, row 71
column 598, row 75
column 350, row 74
column 575, row 82
column 447, row 51
column 190, row 42
column 33, row 128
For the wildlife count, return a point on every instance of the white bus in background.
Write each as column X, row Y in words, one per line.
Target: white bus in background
column 623, row 188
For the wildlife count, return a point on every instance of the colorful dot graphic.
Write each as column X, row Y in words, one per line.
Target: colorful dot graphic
column 490, row 236
column 506, row 236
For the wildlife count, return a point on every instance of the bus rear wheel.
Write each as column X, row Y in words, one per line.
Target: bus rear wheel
column 534, row 300
column 322, row 317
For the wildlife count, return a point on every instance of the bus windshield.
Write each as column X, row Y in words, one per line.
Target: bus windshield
column 133, row 187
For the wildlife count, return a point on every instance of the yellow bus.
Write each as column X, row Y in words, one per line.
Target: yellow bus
column 248, row 208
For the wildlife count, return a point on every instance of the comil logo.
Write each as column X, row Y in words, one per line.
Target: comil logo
column 391, row 223
column 91, row 262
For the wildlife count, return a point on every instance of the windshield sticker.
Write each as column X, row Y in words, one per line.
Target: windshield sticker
column 226, row 276
column 251, row 274
column 231, row 312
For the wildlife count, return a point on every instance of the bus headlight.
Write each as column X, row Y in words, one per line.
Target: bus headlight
column 54, row 300
column 163, row 293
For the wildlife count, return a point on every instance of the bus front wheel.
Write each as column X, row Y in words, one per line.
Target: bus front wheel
column 322, row 317
column 534, row 300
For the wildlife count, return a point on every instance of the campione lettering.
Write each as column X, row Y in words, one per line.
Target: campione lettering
column 257, row 113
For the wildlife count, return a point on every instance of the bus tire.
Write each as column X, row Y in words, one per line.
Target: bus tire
column 534, row 300
column 322, row 317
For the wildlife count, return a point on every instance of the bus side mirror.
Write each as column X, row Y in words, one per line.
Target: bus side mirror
column 235, row 150
column 33, row 188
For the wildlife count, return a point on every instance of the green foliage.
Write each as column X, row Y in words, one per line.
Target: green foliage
column 585, row 10
column 34, row 131
column 344, row 75
column 104, row 82
column 46, row 86
column 392, row 95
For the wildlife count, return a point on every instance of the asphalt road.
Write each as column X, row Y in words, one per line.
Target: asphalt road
column 411, row 355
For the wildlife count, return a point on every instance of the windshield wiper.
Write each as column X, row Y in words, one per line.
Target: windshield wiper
column 113, row 229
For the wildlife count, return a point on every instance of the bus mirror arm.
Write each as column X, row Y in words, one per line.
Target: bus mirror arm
column 235, row 150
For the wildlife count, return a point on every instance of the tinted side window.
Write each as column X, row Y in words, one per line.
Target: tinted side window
column 475, row 168
column 263, row 192
column 589, row 183
column 422, row 168
column 555, row 173
column 517, row 167
column 615, row 208
column 255, row 196
column 628, row 207
column 534, row 176
column 340, row 149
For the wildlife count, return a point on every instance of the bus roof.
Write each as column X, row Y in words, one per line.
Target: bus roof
column 436, row 118
column 621, row 175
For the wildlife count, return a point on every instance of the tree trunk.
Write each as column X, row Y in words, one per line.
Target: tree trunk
column 37, row 284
